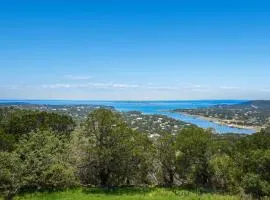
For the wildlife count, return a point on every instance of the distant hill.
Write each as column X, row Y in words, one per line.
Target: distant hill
column 256, row 104
column 251, row 113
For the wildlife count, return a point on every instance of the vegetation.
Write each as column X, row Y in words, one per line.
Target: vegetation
column 251, row 113
column 150, row 124
column 116, row 153
column 153, row 124
column 15, row 123
column 127, row 194
column 43, row 151
column 78, row 112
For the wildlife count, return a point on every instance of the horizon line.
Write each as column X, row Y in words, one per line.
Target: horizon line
column 134, row 99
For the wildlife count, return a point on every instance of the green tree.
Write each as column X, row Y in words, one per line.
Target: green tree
column 253, row 156
column 115, row 151
column 254, row 184
column 40, row 161
column 256, row 176
column 19, row 122
column 166, row 154
column 45, row 159
column 224, row 173
column 193, row 154
column 259, row 140
column 7, row 141
column 11, row 171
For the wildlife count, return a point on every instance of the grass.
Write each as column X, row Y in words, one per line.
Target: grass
column 125, row 194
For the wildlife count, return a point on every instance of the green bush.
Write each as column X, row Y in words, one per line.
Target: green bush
column 39, row 162
column 192, row 146
column 253, row 184
column 19, row 122
column 224, row 173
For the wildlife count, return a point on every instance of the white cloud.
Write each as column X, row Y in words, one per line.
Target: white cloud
column 119, row 91
column 159, row 87
column 200, row 89
column 109, row 85
column 124, row 86
column 96, row 85
column 229, row 87
column 77, row 77
column 265, row 89
column 17, row 87
column 195, row 87
column 11, row 87
column 54, row 86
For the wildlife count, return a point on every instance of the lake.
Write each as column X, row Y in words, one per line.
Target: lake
column 155, row 107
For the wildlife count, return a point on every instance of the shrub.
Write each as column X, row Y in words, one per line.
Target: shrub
column 39, row 162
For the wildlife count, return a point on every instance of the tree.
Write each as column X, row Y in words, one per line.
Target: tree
column 40, row 161
column 259, row 140
column 253, row 156
column 17, row 122
column 45, row 159
column 166, row 151
column 256, row 176
column 115, row 151
column 11, row 171
column 224, row 173
column 7, row 141
column 254, row 184
column 192, row 146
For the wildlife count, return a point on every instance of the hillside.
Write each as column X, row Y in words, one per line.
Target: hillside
column 263, row 105
column 250, row 113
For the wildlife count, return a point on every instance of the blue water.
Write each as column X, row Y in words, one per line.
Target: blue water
column 155, row 107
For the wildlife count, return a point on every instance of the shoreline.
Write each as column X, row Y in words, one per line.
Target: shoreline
column 222, row 122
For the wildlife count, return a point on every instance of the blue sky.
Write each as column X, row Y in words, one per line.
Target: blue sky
column 185, row 49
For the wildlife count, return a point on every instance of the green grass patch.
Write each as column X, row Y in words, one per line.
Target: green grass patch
column 125, row 194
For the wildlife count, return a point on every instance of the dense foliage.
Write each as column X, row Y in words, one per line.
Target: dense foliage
column 18, row 122
column 44, row 151
column 15, row 123
column 116, row 153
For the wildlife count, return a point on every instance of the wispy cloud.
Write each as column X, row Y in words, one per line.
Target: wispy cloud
column 108, row 85
column 96, row 85
column 59, row 85
column 77, row 77
column 195, row 87
column 159, row 87
column 229, row 87
column 265, row 89
column 111, row 85
column 147, row 87
column 17, row 86
column 125, row 86
column 11, row 87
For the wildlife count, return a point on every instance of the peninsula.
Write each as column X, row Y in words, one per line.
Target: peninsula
column 250, row 115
